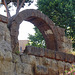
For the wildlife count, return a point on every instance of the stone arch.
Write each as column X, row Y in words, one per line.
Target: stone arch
column 50, row 32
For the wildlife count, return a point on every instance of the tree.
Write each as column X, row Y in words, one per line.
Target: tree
column 37, row 39
column 18, row 3
column 62, row 12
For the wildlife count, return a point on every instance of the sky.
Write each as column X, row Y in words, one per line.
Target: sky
column 25, row 27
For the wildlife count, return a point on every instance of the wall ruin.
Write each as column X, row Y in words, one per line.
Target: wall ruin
column 34, row 61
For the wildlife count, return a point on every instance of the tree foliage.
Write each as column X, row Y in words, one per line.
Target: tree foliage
column 62, row 12
column 37, row 39
column 19, row 4
column 15, row 2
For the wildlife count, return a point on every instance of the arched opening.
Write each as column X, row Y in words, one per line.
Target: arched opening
column 30, row 35
column 25, row 28
column 45, row 30
column 42, row 22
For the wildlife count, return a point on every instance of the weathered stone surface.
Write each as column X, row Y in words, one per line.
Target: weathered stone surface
column 54, row 65
column 34, row 61
column 18, row 68
column 51, row 33
column 4, row 33
column 47, row 61
column 39, row 61
column 3, row 19
column 30, row 59
column 8, row 56
column 34, row 51
column 67, row 66
column 61, row 66
column 2, row 53
column 4, row 45
column 69, row 58
column 52, row 71
column 60, row 56
column 27, row 69
column 16, row 58
column 41, row 70
column 31, row 65
column 49, row 53
column 6, row 67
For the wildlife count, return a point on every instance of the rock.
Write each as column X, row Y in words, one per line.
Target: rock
column 30, row 59
column 27, row 69
column 46, row 61
column 6, row 67
column 52, row 71
column 41, row 70
column 2, row 54
column 16, row 58
column 61, row 66
column 4, row 45
column 18, row 68
column 8, row 56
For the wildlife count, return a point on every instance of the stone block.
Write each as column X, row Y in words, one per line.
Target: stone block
column 4, row 45
column 34, row 51
column 29, row 50
column 54, row 64
column 41, row 70
column 39, row 61
column 30, row 59
column 69, row 58
column 49, row 53
column 60, row 56
column 6, row 66
column 7, row 73
column 2, row 53
column 47, row 61
column 27, row 69
column 39, row 52
column 18, row 68
column 52, row 71
column 16, row 58
column 61, row 66
column 67, row 66
column 8, row 56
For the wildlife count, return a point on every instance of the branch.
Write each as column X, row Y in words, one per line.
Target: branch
column 17, row 4
column 18, row 9
column 8, row 13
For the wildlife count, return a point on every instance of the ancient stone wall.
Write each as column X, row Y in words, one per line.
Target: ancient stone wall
column 6, row 65
column 34, row 61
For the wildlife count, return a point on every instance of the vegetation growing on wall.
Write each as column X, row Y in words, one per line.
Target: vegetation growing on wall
column 62, row 12
column 37, row 39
